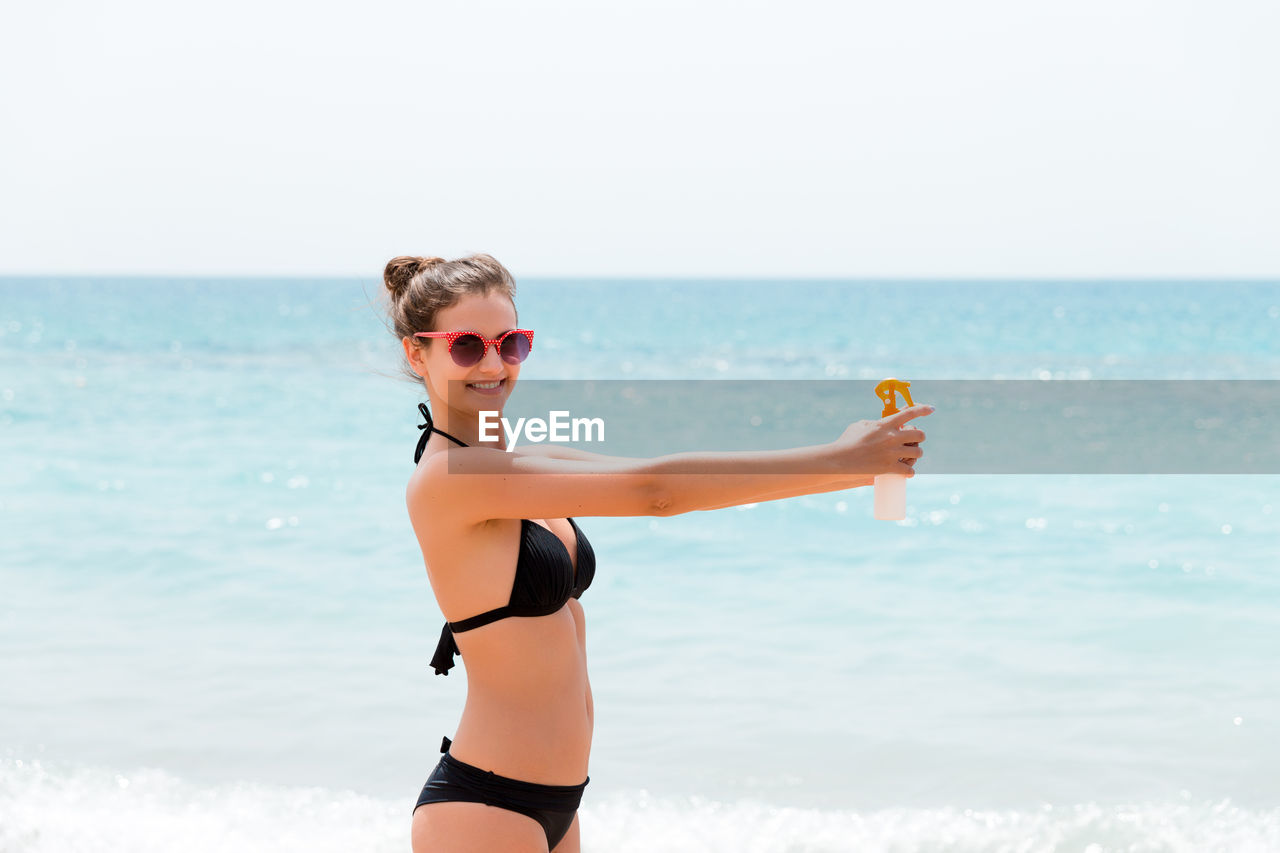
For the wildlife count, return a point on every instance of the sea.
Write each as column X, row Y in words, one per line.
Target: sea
column 216, row 626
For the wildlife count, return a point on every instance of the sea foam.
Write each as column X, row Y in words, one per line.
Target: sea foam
column 50, row 809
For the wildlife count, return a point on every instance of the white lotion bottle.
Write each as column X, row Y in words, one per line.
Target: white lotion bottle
column 890, row 497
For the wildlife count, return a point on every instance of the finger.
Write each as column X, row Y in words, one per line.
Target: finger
column 907, row 414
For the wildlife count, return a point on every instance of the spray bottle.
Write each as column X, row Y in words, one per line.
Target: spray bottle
column 891, row 489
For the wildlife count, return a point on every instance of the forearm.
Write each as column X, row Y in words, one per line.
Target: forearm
column 707, row 480
column 853, row 483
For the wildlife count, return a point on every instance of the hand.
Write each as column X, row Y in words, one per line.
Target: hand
column 881, row 446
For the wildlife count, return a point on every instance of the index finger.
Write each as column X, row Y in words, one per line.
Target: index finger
column 905, row 415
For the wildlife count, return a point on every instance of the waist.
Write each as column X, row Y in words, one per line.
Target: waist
column 548, row 743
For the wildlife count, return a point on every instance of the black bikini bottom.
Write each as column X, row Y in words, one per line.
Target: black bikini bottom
column 454, row 781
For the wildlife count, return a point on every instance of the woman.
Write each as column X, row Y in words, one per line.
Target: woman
column 507, row 562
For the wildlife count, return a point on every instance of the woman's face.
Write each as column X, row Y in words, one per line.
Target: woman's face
column 489, row 315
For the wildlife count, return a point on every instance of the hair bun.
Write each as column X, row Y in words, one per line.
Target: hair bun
column 401, row 270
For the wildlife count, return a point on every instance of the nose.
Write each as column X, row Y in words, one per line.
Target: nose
column 492, row 362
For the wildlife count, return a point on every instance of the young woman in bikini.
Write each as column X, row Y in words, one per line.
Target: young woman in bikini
column 507, row 561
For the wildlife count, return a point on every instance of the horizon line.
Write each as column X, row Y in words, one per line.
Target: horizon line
column 577, row 277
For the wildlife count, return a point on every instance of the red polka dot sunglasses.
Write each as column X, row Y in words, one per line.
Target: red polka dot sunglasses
column 468, row 348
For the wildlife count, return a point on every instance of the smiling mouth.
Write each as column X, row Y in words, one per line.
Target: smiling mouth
column 487, row 386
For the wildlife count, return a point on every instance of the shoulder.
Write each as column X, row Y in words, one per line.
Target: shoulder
column 427, row 491
column 436, row 511
column 445, row 490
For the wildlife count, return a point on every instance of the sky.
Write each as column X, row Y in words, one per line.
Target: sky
column 995, row 138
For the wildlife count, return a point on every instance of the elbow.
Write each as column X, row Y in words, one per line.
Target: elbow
column 664, row 507
column 661, row 502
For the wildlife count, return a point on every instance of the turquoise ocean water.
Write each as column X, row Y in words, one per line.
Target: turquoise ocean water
column 215, row 625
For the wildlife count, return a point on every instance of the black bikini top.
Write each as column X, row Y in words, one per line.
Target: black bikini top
column 545, row 575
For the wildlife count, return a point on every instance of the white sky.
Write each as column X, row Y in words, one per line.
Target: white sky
column 926, row 138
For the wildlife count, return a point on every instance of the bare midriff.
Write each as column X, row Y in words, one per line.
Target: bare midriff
column 528, row 713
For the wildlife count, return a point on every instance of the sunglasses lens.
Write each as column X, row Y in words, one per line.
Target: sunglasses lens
column 515, row 348
column 467, row 350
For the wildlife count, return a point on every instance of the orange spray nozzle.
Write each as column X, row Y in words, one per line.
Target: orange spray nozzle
column 888, row 390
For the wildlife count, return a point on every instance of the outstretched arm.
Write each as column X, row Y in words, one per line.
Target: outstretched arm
column 473, row 484
column 765, row 493
column 853, row 483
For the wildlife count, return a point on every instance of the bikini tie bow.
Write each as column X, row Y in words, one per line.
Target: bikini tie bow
column 442, row 661
column 426, row 432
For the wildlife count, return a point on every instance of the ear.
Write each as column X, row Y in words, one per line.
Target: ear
column 415, row 355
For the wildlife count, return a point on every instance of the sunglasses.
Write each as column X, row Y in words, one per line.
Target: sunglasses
column 468, row 348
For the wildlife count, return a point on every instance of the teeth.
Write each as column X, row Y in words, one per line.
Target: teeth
column 486, row 386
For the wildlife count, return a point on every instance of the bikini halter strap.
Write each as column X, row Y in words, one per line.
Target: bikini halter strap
column 428, row 428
